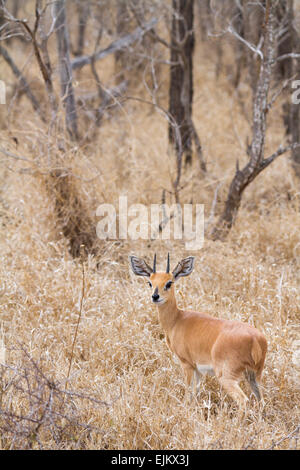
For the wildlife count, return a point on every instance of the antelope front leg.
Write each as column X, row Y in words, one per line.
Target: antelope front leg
column 198, row 378
column 188, row 370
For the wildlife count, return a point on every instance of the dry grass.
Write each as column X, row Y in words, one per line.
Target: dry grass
column 120, row 356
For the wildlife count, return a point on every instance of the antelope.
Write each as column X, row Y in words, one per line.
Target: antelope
column 203, row 343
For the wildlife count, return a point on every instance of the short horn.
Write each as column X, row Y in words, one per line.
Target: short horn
column 154, row 263
column 168, row 264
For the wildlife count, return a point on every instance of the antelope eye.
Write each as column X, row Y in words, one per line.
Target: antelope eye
column 149, row 283
column 168, row 285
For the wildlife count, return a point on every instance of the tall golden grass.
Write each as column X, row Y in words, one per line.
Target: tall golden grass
column 120, row 359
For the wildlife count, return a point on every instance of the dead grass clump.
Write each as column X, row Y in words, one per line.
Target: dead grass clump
column 72, row 217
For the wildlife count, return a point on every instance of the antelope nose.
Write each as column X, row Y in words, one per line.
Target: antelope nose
column 155, row 297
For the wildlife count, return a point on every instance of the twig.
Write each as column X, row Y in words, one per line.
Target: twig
column 291, row 55
column 79, row 317
column 172, row 122
column 279, row 91
column 276, row 154
column 23, row 82
column 289, row 436
column 248, row 44
column 166, row 218
column 153, row 33
column 46, row 73
column 198, row 147
column 115, row 46
column 213, row 206
column 16, row 157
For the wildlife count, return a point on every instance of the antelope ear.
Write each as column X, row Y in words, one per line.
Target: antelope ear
column 140, row 267
column 184, row 267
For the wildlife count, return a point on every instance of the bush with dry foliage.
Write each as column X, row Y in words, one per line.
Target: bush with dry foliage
column 39, row 413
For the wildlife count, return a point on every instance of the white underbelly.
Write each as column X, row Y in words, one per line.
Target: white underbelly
column 205, row 369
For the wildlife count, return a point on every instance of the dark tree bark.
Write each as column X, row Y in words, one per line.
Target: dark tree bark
column 122, row 28
column 181, row 76
column 83, row 14
column 285, row 16
column 65, row 68
column 294, row 114
column 290, row 67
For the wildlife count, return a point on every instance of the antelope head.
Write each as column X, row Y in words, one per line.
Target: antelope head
column 162, row 283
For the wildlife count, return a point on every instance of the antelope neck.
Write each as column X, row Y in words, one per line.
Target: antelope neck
column 168, row 314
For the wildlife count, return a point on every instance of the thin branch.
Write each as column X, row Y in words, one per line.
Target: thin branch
column 16, row 157
column 152, row 32
column 213, row 207
column 295, row 433
column 198, row 147
column 25, row 85
column 279, row 91
column 79, row 317
column 115, row 46
column 290, row 55
column 175, row 126
column 266, row 162
column 247, row 43
column 44, row 70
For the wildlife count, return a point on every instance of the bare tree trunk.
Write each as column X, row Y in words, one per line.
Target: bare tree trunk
column 293, row 108
column 239, row 48
column 252, row 24
column 205, row 20
column 181, row 75
column 122, row 28
column 65, row 68
column 257, row 162
column 284, row 15
column 83, row 13
column 294, row 119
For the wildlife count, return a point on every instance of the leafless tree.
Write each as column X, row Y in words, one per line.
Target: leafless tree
column 181, row 79
column 122, row 28
column 289, row 68
column 65, row 68
column 83, row 9
column 38, row 411
column 257, row 162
